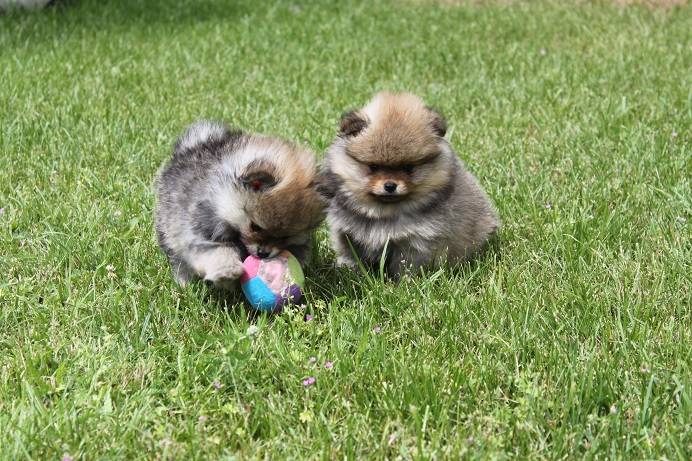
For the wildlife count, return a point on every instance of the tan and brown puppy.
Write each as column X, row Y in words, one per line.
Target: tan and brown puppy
column 226, row 193
column 392, row 179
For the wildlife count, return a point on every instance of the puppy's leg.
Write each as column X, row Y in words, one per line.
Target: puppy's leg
column 182, row 273
column 407, row 260
column 397, row 263
column 219, row 264
column 344, row 251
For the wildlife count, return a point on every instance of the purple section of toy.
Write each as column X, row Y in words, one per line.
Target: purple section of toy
column 293, row 294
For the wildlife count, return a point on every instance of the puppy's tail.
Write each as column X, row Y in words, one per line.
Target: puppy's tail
column 200, row 133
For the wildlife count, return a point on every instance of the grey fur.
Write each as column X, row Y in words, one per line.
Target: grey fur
column 205, row 209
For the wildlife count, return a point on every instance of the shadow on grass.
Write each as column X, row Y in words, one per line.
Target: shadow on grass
column 143, row 15
column 233, row 302
column 325, row 283
column 328, row 284
column 321, row 282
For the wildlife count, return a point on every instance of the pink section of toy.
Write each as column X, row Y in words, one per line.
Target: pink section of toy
column 273, row 273
column 251, row 265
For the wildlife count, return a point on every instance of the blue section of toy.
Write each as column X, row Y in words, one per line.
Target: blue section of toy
column 259, row 295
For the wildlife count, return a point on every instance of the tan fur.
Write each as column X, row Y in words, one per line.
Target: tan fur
column 292, row 205
column 399, row 130
column 292, row 161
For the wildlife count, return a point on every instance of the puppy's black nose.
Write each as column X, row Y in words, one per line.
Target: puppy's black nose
column 263, row 254
column 390, row 187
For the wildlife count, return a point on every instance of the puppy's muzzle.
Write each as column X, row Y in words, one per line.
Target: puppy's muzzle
column 389, row 190
column 262, row 250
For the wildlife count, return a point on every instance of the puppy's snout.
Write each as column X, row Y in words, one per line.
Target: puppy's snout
column 390, row 187
column 267, row 251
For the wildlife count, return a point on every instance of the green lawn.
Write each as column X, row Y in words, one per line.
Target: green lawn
column 573, row 340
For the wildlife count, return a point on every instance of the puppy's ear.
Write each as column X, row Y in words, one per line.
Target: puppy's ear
column 258, row 181
column 438, row 123
column 351, row 123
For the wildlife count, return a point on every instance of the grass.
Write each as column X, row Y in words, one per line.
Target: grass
column 573, row 341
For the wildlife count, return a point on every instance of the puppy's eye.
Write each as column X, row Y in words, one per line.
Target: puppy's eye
column 374, row 168
column 408, row 169
column 254, row 227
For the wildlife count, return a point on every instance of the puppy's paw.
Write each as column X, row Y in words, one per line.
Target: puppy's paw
column 224, row 271
column 218, row 264
column 346, row 262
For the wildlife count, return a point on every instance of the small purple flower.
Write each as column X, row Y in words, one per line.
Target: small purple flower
column 308, row 317
column 202, row 419
column 217, row 385
column 377, row 329
column 2, row 210
column 309, row 381
column 392, row 439
column 66, row 457
column 328, row 364
column 312, row 360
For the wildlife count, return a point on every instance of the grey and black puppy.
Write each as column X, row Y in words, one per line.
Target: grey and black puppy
column 392, row 179
column 226, row 194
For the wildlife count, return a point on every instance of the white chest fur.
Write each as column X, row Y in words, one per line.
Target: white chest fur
column 415, row 232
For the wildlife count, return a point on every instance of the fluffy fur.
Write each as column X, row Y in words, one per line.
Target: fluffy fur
column 392, row 179
column 225, row 194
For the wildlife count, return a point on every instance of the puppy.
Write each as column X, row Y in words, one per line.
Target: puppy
column 226, row 194
column 392, row 180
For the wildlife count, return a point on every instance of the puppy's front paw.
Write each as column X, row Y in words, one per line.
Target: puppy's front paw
column 224, row 271
column 345, row 262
